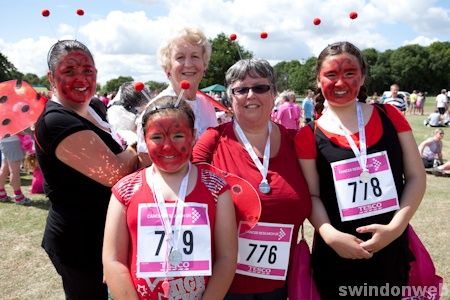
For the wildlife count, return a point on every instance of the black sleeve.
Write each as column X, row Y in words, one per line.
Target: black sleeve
column 99, row 107
column 56, row 125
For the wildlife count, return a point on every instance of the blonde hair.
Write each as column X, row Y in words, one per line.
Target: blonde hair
column 192, row 35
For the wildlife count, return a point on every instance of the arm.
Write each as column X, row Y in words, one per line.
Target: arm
column 225, row 242
column 115, row 252
column 345, row 245
column 423, row 145
column 85, row 152
column 205, row 146
column 413, row 192
column 440, row 153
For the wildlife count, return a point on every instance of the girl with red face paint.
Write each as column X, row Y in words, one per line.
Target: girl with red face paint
column 170, row 230
column 365, row 184
column 81, row 158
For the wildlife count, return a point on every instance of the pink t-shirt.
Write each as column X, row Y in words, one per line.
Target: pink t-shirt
column 288, row 115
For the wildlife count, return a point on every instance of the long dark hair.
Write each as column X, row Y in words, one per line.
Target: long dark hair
column 336, row 49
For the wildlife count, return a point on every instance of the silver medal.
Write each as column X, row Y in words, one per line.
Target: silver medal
column 264, row 187
column 175, row 257
column 364, row 176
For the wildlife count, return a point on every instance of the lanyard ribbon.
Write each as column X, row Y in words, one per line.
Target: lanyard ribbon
column 264, row 167
column 361, row 152
column 172, row 237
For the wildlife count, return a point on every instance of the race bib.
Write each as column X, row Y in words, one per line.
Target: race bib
column 358, row 199
column 264, row 250
column 194, row 244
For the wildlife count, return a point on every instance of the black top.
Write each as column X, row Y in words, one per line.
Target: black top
column 388, row 265
column 76, row 219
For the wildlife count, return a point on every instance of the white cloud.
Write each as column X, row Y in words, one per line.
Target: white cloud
column 125, row 43
column 421, row 40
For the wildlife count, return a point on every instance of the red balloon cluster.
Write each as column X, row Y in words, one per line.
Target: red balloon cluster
column 45, row 13
column 184, row 84
column 138, row 86
column 233, row 36
column 353, row 15
column 264, row 35
column 317, row 21
column 80, row 12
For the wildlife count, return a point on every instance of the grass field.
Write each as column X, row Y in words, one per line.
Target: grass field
column 26, row 272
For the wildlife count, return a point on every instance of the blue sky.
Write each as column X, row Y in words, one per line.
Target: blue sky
column 125, row 34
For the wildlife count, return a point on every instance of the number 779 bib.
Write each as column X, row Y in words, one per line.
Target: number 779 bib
column 357, row 199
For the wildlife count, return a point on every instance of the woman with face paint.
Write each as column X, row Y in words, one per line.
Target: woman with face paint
column 365, row 184
column 170, row 230
column 81, row 158
column 262, row 152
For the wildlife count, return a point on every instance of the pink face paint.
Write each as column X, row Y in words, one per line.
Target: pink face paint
column 340, row 78
column 169, row 140
column 75, row 77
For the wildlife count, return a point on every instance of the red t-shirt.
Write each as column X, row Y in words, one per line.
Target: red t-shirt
column 305, row 142
column 288, row 202
column 133, row 190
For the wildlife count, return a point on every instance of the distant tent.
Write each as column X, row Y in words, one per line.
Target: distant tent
column 215, row 88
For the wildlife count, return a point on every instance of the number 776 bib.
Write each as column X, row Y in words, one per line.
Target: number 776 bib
column 357, row 199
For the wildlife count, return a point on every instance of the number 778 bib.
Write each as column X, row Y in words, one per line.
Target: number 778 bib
column 357, row 199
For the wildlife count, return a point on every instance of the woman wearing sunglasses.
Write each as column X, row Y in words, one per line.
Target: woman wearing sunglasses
column 262, row 152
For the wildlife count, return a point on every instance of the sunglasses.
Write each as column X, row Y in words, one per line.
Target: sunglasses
column 258, row 89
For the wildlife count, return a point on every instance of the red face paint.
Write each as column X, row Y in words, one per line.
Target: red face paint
column 75, row 77
column 340, row 78
column 169, row 140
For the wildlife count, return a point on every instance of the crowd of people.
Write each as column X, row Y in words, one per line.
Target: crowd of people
column 142, row 215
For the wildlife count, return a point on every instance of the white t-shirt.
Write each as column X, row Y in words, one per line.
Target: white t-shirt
column 434, row 119
column 441, row 100
column 205, row 117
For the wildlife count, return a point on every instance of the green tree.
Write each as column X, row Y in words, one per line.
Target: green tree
column 7, row 70
column 439, row 66
column 44, row 81
column 371, row 56
column 407, row 63
column 380, row 73
column 114, row 84
column 156, row 86
column 32, row 79
column 295, row 76
column 224, row 54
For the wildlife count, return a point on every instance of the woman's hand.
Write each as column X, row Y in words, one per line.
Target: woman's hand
column 344, row 244
column 382, row 235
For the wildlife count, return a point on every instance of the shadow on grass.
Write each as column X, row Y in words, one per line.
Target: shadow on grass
column 40, row 203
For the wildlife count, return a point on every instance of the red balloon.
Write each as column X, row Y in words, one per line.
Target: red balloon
column 233, row 36
column 184, row 84
column 20, row 107
column 138, row 86
column 80, row 12
column 45, row 13
column 264, row 35
column 316, row 21
column 353, row 15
